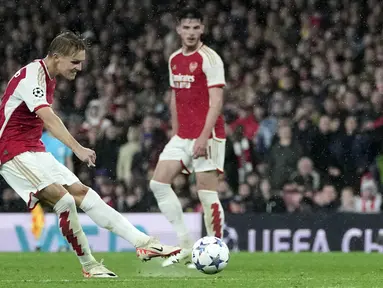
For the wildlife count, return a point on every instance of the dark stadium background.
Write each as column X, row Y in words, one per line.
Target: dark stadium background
column 304, row 85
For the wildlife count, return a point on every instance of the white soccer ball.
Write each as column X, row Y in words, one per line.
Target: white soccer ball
column 210, row 255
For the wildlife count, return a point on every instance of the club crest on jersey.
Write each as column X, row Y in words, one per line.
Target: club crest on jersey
column 174, row 67
column 193, row 66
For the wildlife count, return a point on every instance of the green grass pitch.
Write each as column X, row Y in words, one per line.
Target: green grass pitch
column 42, row 270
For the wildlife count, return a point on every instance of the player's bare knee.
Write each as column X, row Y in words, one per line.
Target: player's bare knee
column 166, row 171
column 160, row 176
column 206, row 186
column 78, row 191
column 207, row 180
column 52, row 193
column 83, row 190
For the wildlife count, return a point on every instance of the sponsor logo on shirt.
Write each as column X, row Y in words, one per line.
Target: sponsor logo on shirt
column 183, row 81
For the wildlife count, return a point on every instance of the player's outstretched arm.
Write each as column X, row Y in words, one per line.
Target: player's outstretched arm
column 57, row 128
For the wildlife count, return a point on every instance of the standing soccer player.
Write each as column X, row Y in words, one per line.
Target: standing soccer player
column 37, row 176
column 197, row 80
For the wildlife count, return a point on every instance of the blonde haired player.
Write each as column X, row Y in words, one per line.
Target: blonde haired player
column 197, row 80
column 37, row 176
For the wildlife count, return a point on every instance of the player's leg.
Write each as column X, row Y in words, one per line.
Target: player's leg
column 31, row 172
column 91, row 203
column 107, row 217
column 214, row 217
column 69, row 224
column 62, row 243
column 207, row 184
column 170, row 206
column 207, row 176
column 172, row 161
column 167, row 200
column 70, row 227
column 38, row 229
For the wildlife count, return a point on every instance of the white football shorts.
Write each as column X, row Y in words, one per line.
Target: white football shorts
column 182, row 150
column 30, row 172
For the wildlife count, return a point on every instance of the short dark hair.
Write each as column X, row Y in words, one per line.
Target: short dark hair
column 189, row 13
column 67, row 44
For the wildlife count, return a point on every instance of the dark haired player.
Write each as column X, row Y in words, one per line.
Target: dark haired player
column 198, row 143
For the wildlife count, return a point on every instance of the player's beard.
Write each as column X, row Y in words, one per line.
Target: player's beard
column 192, row 45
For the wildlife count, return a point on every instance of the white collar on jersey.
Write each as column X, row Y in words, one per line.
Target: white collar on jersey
column 190, row 53
column 46, row 68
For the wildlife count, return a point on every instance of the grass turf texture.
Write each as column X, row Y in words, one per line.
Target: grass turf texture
column 244, row 270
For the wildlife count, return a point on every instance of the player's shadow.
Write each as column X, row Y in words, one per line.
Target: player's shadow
column 153, row 268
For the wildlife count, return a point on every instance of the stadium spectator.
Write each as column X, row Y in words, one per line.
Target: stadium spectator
column 347, row 200
column 327, row 199
column 369, row 201
column 283, row 158
column 126, row 153
column 306, row 175
column 311, row 65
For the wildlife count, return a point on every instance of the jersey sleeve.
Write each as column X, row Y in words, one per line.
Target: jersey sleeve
column 213, row 68
column 32, row 89
column 171, row 82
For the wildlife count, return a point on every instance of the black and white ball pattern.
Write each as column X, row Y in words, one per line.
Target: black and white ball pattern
column 38, row 92
column 230, row 237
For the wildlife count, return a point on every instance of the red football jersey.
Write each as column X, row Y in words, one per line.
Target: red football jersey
column 191, row 76
column 30, row 89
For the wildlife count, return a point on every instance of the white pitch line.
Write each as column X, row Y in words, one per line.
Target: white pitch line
column 147, row 279
column 107, row 279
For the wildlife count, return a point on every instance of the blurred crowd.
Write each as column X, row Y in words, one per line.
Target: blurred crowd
column 303, row 99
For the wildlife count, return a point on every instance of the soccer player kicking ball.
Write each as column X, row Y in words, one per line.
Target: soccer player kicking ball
column 37, row 176
column 196, row 78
